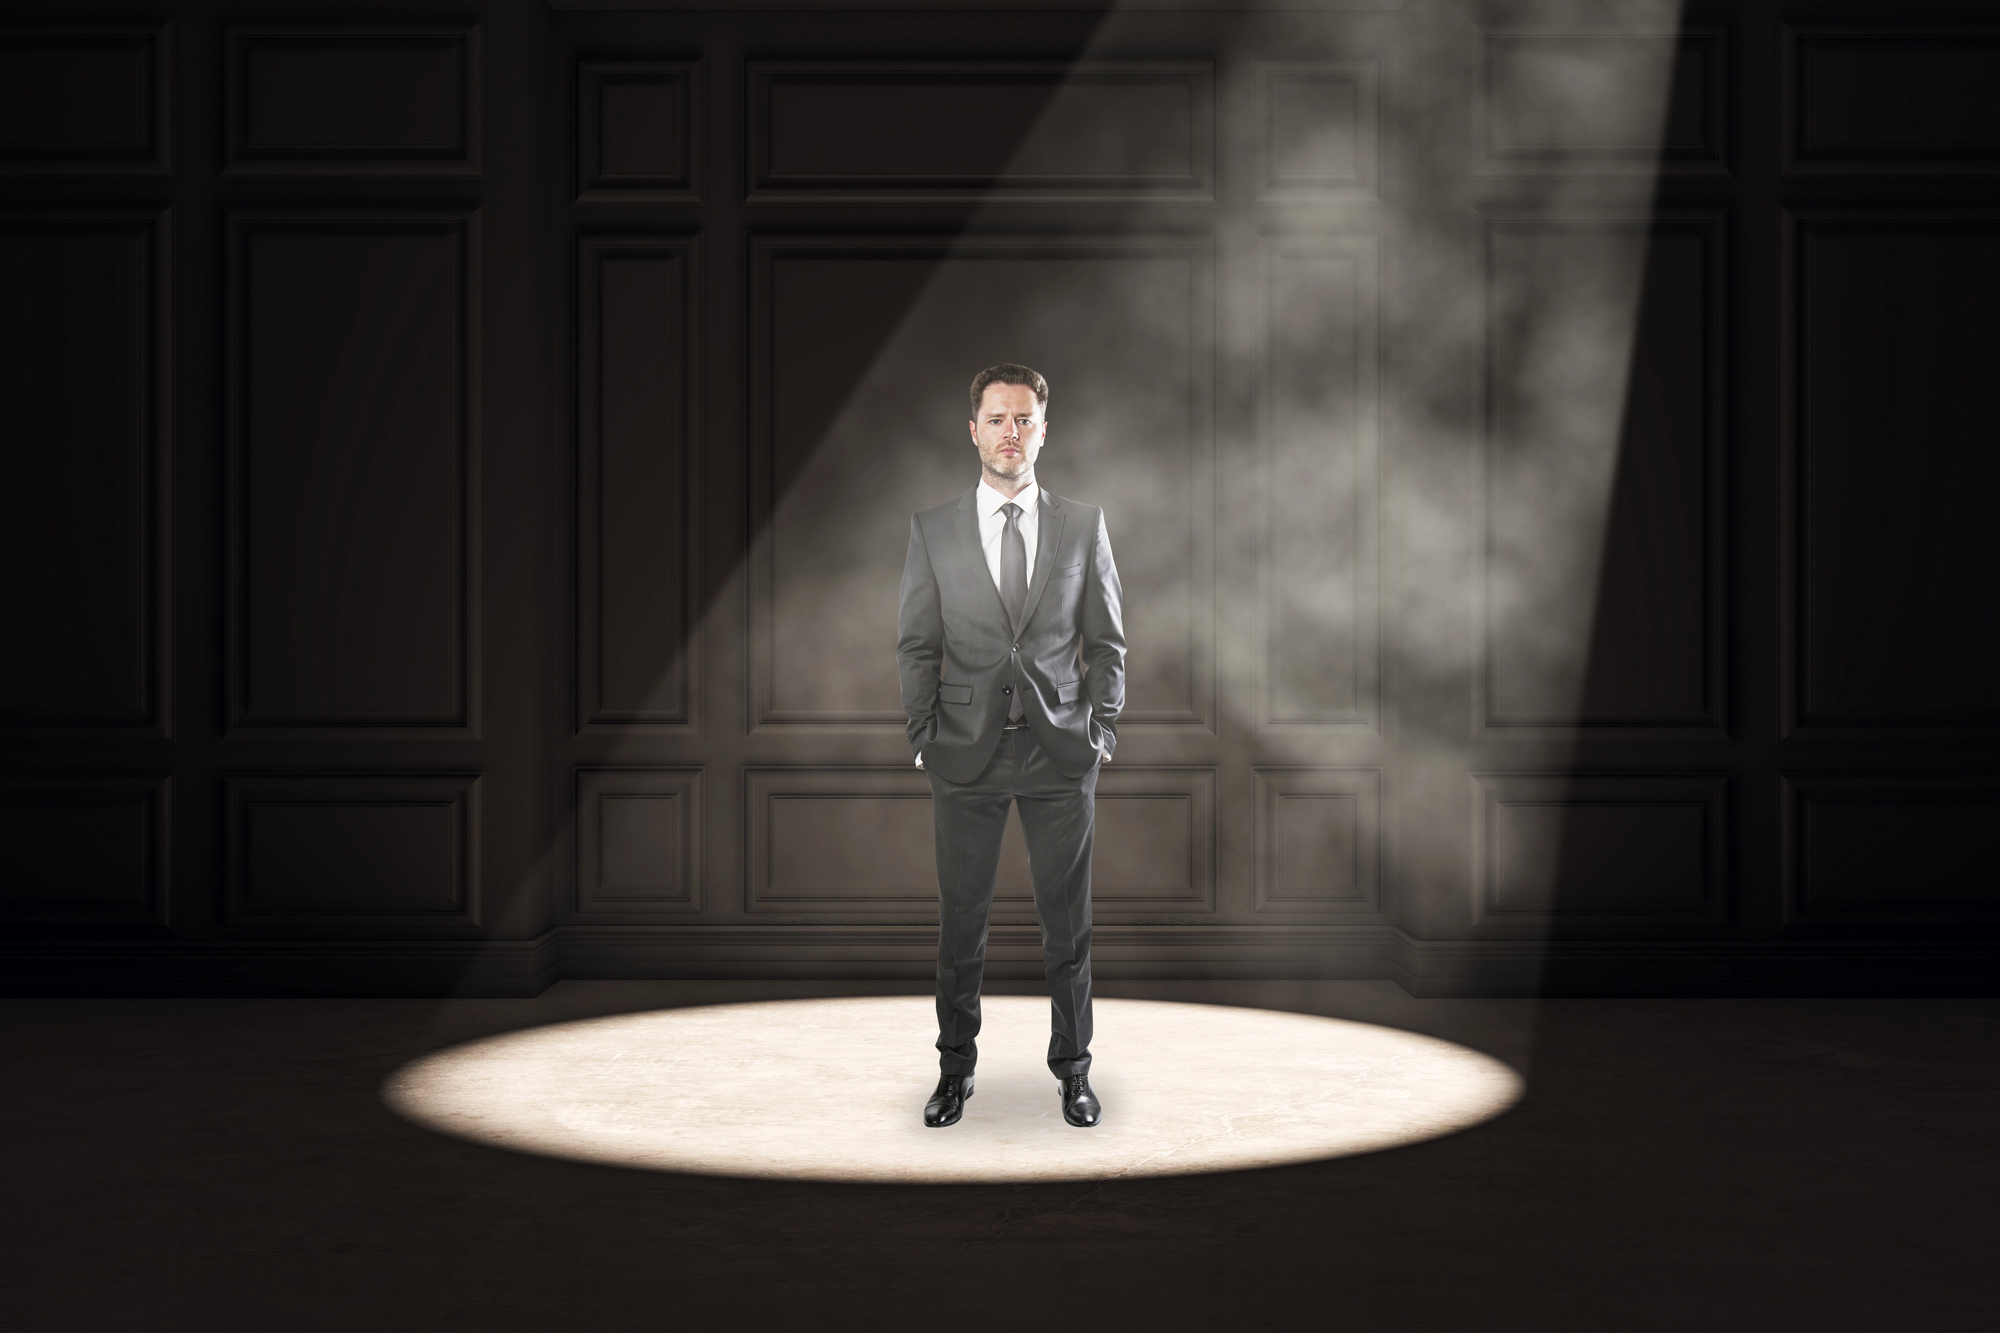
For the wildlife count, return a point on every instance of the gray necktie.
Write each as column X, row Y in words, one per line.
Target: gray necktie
column 1014, row 585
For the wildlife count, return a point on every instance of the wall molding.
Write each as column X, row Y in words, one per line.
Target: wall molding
column 1567, row 877
column 1355, row 181
column 1580, row 152
column 1293, row 444
column 147, row 148
column 768, row 125
column 673, row 175
column 1709, row 228
column 608, row 848
column 610, row 471
column 133, row 895
column 297, row 845
column 1807, row 147
column 456, row 234
column 255, row 129
column 1804, row 712
column 1350, row 797
column 1852, row 843
column 148, row 714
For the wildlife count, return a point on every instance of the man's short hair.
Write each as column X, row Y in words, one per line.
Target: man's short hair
column 1009, row 373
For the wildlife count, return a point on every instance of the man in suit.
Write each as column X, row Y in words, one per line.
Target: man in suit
column 1011, row 647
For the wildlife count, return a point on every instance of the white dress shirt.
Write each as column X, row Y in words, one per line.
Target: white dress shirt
column 993, row 523
column 993, row 526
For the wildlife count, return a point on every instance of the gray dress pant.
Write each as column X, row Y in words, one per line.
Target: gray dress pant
column 1058, row 815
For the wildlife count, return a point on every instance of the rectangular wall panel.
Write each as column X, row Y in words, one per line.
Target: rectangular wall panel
column 638, row 840
column 389, row 855
column 824, row 842
column 927, row 130
column 89, row 850
column 638, row 495
column 1604, row 476
column 353, row 416
column 1583, row 853
column 353, row 101
column 1155, row 839
column 1318, row 132
column 638, row 132
column 1604, row 104
column 836, row 840
column 1890, row 850
column 1319, row 840
column 861, row 357
column 846, row 840
column 83, row 513
column 855, row 839
column 1904, row 100
column 85, row 102
column 1322, row 438
column 1894, row 600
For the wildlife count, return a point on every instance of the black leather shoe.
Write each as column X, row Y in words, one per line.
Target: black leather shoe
column 1080, row 1106
column 947, row 1104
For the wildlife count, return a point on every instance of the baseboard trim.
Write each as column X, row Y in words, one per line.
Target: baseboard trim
column 1803, row 968
column 471, row 968
column 1424, row 968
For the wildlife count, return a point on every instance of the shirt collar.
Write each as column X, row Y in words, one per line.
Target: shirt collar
column 990, row 500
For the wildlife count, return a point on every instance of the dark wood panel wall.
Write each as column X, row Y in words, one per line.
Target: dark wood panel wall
column 276, row 691
column 456, row 475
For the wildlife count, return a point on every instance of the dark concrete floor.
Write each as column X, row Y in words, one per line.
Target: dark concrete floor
column 1677, row 1165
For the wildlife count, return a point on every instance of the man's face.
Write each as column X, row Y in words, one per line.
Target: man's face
column 1009, row 430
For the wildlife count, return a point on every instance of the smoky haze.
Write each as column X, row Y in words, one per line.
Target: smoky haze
column 869, row 426
column 1358, row 427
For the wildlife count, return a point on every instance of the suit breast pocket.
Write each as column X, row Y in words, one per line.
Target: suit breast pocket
column 1067, row 572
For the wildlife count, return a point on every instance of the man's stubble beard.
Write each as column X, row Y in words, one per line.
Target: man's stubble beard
column 1024, row 471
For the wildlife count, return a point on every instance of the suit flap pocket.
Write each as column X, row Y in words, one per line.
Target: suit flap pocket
column 955, row 694
column 1067, row 691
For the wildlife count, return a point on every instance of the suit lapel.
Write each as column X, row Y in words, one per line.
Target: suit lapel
column 1046, row 542
column 972, row 556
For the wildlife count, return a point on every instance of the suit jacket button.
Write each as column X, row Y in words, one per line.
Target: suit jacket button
column 1006, row 689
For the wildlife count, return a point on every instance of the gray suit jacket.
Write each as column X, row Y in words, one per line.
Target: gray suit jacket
column 959, row 655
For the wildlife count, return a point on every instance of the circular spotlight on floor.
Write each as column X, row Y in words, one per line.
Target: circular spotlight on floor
column 834, row 1089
